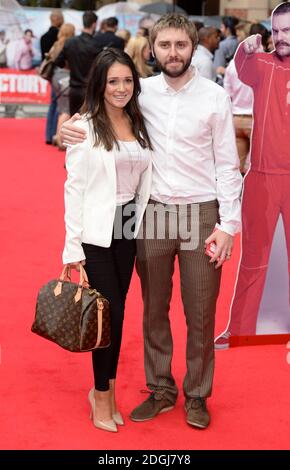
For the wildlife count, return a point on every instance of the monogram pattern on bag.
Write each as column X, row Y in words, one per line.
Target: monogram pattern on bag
column 72, row 325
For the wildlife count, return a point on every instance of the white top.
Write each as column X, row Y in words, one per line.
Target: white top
column 241, row 94
column 203, row 61
column 131, row 161
column 195, row 157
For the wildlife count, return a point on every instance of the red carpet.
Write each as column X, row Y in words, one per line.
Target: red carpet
column 43, row 389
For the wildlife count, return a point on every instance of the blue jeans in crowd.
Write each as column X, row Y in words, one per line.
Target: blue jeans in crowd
column 52, row 117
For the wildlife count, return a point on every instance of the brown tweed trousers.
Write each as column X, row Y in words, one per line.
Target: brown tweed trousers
column 199, row 282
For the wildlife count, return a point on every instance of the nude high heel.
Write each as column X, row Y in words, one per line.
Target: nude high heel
column 109, row 425
column 117, row 417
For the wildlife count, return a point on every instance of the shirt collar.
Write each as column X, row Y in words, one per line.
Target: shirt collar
column 164, row 86
column 204, row 50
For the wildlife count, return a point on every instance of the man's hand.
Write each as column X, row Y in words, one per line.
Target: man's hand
column 220, row 70
column 71, row 134
column 224, row 245
column 253, row 44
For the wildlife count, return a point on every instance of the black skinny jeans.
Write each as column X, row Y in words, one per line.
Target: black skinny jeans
column 109, row 271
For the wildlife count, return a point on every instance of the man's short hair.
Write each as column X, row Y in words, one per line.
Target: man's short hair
column 206, row 32
column 56, row 17
column 176, row 21
column 112, row 22
column 281, row 9
column 89, row 18
column 230, row 22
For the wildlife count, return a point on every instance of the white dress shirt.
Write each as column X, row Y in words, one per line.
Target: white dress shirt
column 241, row 94
column 203, row 61
column 195, row 157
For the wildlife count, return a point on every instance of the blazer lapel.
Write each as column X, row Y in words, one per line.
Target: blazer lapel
column 108, row 159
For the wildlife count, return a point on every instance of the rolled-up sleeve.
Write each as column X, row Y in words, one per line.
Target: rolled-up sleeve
column 228, row 177
column 77, row 165
column 246, row 65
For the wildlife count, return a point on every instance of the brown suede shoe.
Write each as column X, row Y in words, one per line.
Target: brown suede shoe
column 196, row 412
column 153, row 406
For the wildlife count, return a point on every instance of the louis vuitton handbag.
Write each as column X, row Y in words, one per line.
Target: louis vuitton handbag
column 72, row 315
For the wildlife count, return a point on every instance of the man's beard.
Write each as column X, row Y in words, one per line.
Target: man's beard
column 282, row 43
column 174, row 74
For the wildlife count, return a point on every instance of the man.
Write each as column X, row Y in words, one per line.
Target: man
column 46, row 43
column 102, row 28
column 48, row 39
column 227, row 47
column 195, row 163
column 79, row 52
column 267, row 184
column 203, row 58
column 108, row 37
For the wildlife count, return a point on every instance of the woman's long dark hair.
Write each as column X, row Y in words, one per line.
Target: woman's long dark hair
column 94, row 105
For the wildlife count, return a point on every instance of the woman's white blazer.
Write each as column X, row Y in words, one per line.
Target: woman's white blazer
column 90, row 196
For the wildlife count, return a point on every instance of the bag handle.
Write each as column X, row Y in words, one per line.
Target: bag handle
column 66, row 274
column 61, row 93
column 83, row 283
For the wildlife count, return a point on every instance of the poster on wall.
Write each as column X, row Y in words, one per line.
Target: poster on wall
column 24, row 87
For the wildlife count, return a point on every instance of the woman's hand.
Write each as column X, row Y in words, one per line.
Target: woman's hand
column 76, row 265
column 224, row 245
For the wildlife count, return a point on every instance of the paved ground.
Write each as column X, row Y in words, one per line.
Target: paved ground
column 23, row 111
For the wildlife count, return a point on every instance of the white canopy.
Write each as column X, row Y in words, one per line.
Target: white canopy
column 11, row 13
column 113, row 9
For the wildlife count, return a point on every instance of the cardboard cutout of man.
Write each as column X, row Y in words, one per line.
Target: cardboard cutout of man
column 267, row 184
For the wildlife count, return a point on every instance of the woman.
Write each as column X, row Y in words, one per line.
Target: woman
column 106, row 173
column 60, row 80
column 139, row 50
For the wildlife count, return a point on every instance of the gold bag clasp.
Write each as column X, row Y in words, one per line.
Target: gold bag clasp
column 92, row 291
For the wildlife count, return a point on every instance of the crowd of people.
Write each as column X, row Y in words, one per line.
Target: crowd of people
column 213, row 58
